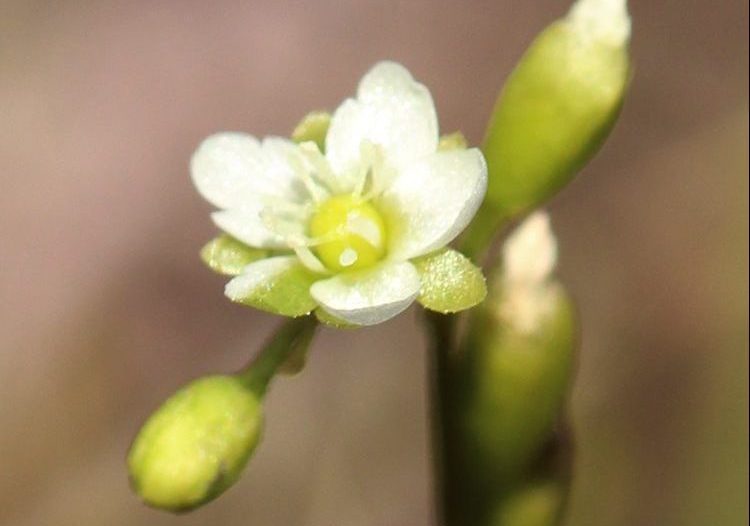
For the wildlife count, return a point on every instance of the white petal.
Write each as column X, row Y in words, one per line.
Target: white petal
column 246, row 225
column 392, row 110
column 370, row 296
column 432, row 201
column 233, row 169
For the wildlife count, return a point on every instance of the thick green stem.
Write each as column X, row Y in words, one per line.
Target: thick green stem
column 292, row 337
column 439, row 326
column 443, row 354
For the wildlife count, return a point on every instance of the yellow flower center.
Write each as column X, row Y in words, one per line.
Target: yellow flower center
column 351, row 233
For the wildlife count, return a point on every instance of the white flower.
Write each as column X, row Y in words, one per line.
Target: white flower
column 345, row 224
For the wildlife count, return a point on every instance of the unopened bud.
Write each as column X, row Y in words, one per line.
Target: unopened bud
column 520, row 356
column 558, row 106
column 196, row 444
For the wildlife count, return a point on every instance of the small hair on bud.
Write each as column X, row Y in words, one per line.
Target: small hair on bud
column 603, row 20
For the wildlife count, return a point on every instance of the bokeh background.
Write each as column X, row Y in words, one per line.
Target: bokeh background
column 106, row 307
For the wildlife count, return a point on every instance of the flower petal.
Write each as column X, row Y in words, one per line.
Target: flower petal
column 369, row 296
column 233, row 169
column 392, row 110
column 329, row 319
column 280, row 285
column 431, row 202
column 246, row 225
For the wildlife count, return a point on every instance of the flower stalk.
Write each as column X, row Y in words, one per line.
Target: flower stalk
column 285, row 351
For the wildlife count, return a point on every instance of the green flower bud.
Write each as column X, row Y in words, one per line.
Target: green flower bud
column 555, row 110
column 520, row 382
column 534, row 504
column 196, row 444
column 519, row 360
column 540, row 497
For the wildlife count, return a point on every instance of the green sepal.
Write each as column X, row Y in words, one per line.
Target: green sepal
column 227, row 255
column 313, row 127
column 450, row 282
column 330, row 320
column 284, row 291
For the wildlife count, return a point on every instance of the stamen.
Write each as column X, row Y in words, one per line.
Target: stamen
column 280, row 206
column 378, row 171
column 310, row 261
column 366, row 157
column 279, row 225
column 295, row 240
column 321, row 169
column 317, row 193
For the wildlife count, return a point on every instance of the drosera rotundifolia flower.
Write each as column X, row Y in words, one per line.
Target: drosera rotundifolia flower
column 353, row 226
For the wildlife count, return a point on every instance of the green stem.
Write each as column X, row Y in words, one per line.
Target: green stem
column 478, row 237
column 292, row 337
column 442, row 329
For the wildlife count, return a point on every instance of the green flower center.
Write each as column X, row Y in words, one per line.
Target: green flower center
column 351, row 233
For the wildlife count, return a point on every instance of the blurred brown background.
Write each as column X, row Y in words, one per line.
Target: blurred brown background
column 106, row 307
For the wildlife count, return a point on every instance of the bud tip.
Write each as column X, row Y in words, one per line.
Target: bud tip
column 530, row 252
column 528, row 295
column 607, row 21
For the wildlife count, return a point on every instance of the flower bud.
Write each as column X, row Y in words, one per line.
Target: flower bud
column 540, row 497
column 519, row 359
column 537, row 503
column 557, row 106
column 196, row 444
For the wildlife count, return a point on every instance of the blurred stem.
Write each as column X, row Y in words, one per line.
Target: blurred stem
column 477, row 239
column 292, row 337
column 536, row 496
column 442, row 333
